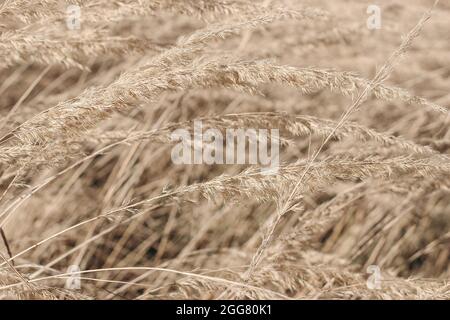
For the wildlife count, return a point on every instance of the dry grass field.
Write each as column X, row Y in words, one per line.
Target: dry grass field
column 93, row 206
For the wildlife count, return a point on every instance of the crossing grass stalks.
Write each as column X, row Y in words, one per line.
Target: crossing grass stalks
column 87, row 178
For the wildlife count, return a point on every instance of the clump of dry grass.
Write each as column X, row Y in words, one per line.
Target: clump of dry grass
column 85, row 150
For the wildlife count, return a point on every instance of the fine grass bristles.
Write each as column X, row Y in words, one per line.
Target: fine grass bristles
column 224, row 149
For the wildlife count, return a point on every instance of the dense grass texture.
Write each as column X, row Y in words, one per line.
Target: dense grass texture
column 87, row 178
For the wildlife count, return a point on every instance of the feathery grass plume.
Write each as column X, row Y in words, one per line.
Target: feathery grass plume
column 68, row 51
column 188, row 46
column 51, row 45
column 310, row 80
column 196, row 288
column 27, row 11
column 303, row 126
column 266, row 186
column 290, row 127
column 248, row 75
column 317, row 276
column 135, row 86
column 314, row 276
column 33, row 291
column 106, row 11
column 32, row 156
column 73, row 116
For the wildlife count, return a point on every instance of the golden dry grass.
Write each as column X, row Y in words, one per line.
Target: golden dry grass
column 87, row 177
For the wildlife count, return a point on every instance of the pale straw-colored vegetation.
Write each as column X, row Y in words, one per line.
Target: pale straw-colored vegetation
column 87, row 179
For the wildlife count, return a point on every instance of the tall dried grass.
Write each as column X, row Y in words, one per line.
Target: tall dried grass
column 85, row 143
